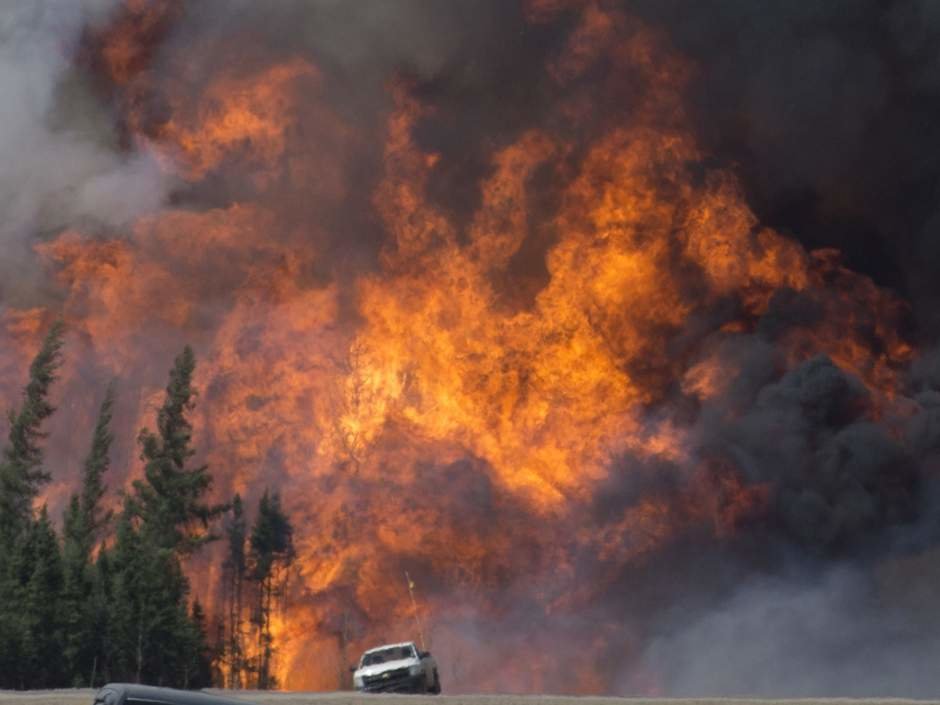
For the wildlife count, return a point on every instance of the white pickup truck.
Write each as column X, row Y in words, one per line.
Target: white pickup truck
column 397, row 668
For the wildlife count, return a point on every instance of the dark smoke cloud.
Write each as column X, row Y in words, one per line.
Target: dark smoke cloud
column 831, row 591
column 836, row 474
column 364, row 44
column 827, row 111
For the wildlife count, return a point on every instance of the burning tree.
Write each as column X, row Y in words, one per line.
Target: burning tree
column 125, row 614
column 235, row 570
column 259, row 560
column 271, row 556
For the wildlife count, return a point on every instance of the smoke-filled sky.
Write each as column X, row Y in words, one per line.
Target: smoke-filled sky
column 613, row 323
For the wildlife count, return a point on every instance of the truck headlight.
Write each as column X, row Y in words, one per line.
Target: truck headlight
column 357, row 681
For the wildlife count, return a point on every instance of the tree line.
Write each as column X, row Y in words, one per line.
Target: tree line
column 105, row 597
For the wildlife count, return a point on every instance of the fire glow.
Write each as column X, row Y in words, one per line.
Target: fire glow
column 454, row 402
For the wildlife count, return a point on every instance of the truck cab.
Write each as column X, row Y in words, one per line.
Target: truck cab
column 397, row 668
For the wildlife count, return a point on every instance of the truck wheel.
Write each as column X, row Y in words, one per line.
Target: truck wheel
column 435, row 688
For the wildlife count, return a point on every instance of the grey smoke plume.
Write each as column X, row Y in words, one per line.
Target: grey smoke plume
column 61, row 166
column 841, row 633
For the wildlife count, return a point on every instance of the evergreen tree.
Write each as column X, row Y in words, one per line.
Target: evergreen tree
column 21, row 472
column 68, row 619
column 234, row 571
column 23, row 540
column 42, row 636
column 122, row 564
column 11, row 636
column 165, row 520
column 92, row 518
column 173, row 509
column 84, row 520
column 199, row 657
column 272, row 553
column 149, row 624
column 102, row 604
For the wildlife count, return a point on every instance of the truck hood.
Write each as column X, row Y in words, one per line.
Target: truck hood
column 387, row 666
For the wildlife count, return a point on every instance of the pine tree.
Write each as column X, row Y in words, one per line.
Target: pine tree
column 97, row 463
column 11, row 636
column 84, row 520
column 234, row 571
column 123, row 627
column 102, row 604
column 199, row 657
column 272, row 553
column 21, row 472
column 21, row 478
column 42, row 643
column 173, row 509
column 149, row 627
column 165, row 519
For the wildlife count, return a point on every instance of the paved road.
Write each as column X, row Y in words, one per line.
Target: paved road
column 84, row 697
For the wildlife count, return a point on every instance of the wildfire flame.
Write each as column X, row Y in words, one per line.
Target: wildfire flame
column 437, row 408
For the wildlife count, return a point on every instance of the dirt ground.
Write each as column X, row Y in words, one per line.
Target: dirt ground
column 84, row 697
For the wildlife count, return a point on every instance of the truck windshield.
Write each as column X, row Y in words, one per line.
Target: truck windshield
column 393, row 653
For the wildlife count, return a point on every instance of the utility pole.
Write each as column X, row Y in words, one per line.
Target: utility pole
column 414, row 606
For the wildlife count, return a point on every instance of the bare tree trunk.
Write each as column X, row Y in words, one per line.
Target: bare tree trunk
column 237, row 628
column 263, row 592
column 235, row 646
column 266, row 632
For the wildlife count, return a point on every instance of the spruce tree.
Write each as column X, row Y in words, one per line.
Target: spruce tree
column 149, row 625
column 93, row 517
column 123, row 565
column 272, row 553
column 171, row 498
column 165, row 519
column 22, row 476
column 234, row 571
column 102, row 604
column 84, row 520
column 42, row 642
column 76, row 589
column 199, row 657
column 11, row 636
column 21, row 471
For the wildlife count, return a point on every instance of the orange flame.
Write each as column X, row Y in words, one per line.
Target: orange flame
column 421, row 412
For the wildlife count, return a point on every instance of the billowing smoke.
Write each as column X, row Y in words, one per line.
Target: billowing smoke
column 61, row 165
column 833, row 633
column 610, row 323
column 824, row 110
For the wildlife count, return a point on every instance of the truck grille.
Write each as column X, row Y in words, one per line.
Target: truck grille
column 389, row 680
